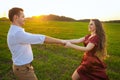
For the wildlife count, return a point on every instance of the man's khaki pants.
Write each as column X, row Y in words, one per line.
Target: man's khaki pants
column 24, row 72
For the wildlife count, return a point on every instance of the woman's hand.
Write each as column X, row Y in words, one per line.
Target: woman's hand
column 68, row 44
column 64, row 42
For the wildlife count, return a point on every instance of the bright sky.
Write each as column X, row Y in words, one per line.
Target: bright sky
column 77, row 9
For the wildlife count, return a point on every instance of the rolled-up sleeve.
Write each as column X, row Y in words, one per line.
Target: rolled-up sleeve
column 28, row 38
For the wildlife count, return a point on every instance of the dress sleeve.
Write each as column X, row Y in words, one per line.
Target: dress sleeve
column 86, row 37
column 94, row 40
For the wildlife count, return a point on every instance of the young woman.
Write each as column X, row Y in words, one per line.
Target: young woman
column 92, row 66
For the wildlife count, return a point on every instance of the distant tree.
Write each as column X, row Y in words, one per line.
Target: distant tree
column 51, row 17
column 114, row 21
column 83, row 20
column 3, row 19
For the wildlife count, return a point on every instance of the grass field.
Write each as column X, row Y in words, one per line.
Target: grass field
column 54, row 62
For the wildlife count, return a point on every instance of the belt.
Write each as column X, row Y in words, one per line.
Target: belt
column 28, row 64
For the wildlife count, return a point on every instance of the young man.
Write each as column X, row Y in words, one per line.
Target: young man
column 19, row 43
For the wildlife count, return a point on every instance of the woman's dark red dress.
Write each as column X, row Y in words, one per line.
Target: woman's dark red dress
column 92, row 68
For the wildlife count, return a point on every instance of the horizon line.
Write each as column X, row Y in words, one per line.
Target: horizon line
column 63, row 16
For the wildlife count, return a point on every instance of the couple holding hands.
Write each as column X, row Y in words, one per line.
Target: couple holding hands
column 19, row 42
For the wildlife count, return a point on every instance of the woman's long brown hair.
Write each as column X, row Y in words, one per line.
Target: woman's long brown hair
column 101, row 51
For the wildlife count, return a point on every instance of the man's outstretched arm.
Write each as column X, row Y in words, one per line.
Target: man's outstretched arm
column 52, row 40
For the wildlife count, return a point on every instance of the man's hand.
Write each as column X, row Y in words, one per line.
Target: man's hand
column 68, row 44
column 64, row 42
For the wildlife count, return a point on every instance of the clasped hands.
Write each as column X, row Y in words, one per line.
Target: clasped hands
column 66, row 43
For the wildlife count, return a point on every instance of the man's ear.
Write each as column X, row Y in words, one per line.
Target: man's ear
column 15, row 17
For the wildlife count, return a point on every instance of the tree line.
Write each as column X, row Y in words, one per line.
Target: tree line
column 52, row 17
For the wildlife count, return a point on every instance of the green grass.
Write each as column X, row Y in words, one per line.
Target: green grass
column 54, row 62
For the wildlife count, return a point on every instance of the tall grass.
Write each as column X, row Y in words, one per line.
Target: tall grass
column 54, row 62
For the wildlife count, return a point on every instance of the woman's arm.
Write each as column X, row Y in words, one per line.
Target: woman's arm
column 76, row 41
column 87, row 48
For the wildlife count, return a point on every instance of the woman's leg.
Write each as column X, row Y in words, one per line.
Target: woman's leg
column 75, row 76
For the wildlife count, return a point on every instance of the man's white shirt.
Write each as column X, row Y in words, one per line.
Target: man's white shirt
column 19, row 43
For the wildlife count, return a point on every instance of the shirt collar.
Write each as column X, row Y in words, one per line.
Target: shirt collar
column 18, row 27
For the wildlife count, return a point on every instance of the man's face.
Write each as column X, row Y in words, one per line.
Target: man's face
column 20, row 19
